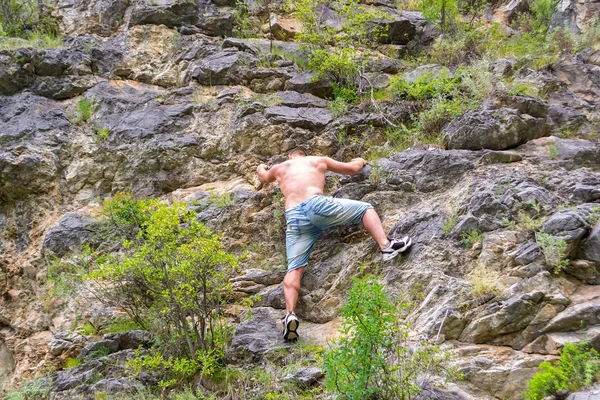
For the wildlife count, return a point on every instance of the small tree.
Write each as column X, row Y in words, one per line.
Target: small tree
column 373, row 356
column 444, row 13
column 183, row 271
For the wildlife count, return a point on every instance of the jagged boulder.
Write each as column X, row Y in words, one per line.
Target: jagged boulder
column 499, row 129
column 166, row 12
column 304, row 82
column 14, row 77
column 309, row 118
column 71, row 231
column 224, row 68
column 40, row 130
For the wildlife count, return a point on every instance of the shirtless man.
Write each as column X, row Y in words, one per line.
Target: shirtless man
column 308, row 213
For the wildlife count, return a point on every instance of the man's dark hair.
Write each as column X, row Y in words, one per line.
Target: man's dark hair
column 298, row 151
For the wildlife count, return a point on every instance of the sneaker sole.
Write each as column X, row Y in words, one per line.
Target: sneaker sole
column 291, row 334
column 387, row 257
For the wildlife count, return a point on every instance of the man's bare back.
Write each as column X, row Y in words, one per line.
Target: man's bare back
column 303, row 176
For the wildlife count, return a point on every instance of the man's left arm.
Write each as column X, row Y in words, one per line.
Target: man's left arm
column 266, row 174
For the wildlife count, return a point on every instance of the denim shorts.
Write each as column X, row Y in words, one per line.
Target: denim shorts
column 306, row 221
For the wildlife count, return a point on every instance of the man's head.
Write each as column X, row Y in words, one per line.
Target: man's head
column 297, row 152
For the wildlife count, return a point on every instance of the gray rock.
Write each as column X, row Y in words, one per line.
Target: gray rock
column 304, row 376
column 525, row 104
column 587, row 193
column 131, row 339
column 385, row 65
column 40, row 130
column 502, row 318
column 496, row 157
column 504, row 66
column 224, row 68
column 526, row 253
column 71, row 231
column 562, row 116
column 58, row 346
column 431, row 169
column 166, row 12
column 584, row 270
column 569, row 226
column 298, row 100
column 304, row 82
column 100, row 348
column 13, row 76
column 590, row 249
column 433, row 70
column 403, row 27
column 592, row 393
column 63, row 87
column 309, row 118
column 253, row 338
column 574, row 318
column 497, row 130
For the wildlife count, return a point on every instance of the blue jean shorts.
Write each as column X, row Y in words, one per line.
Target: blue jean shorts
column 306, row 221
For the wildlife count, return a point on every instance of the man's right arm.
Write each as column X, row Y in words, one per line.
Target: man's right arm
column 266, row 174
column 350, row 168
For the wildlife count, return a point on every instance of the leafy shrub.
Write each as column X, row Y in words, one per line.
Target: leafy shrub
column 102, row 134
column 444, row 13
column 554, row 249
column 372, row 358
column 343, row 97
column 176, row 275
column 471, row 237
column 358, row 31
column 36, row 390
column 339, row 65
column 578, row 367
column 176, row 371
column 483, row 280
column 84, row 109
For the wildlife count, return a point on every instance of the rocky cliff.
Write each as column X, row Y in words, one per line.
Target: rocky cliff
column 182, row 110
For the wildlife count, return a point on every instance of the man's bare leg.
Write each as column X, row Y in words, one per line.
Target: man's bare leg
column 373, row 225
column 291, row 288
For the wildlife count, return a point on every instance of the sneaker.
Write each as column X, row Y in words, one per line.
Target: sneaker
column 290, row 324
column 396, row 247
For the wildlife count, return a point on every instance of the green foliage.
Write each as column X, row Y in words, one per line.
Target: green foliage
column 372, row 358
column 554, row 249
column 89, row 329
column 444, row 13
column 23, row 17
column 36, row 390
column 125, row 218
column 450, row 223
column 183, row 274
column 483, row 281
column 243, row 25
column 176, row 371
column 444, row 96
column 343, row 98
column 218, row 200
column 84, row 109
column 358, row 32
column 471, row 237
column 339, row 65
column 102, row 134
column 72, row 363
column 553, row 151
column 121, row 325
column 577, row 368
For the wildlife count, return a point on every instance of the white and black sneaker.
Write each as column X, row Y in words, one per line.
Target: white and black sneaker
column 396, row 247
column 290, row 325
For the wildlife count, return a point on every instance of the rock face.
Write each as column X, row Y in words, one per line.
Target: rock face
column 180, row 114
column 500, row 129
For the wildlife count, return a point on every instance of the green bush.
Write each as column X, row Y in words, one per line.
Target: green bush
column 577, row 368
column 84, row 109
column 174, row 278
column 372, row 358
column 340, row 65
column 36, row 390
column 554, row 249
